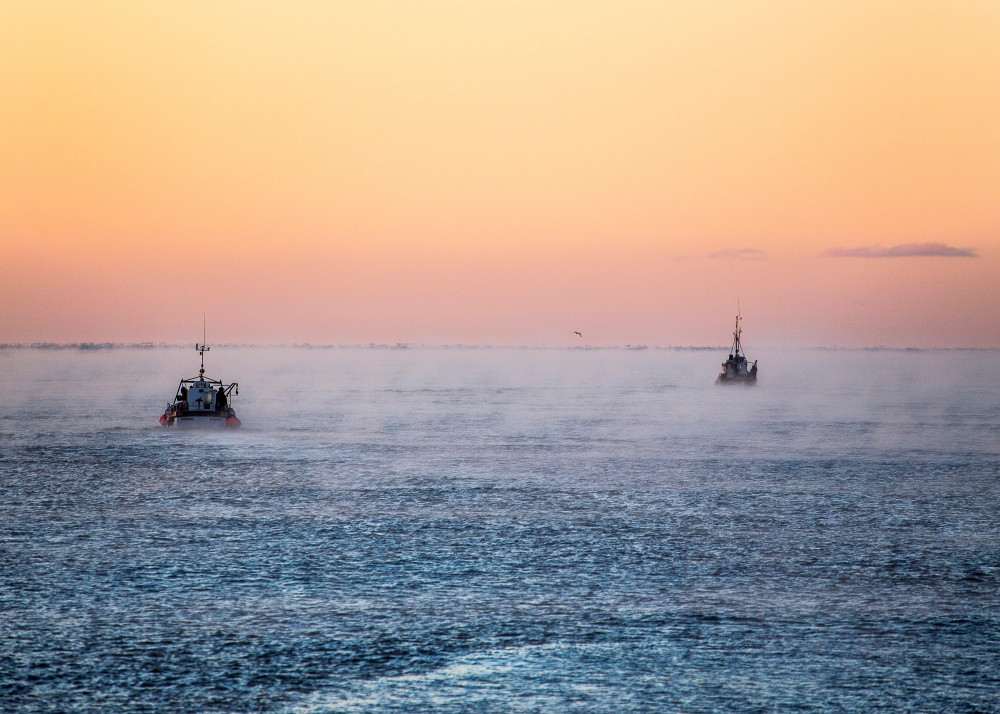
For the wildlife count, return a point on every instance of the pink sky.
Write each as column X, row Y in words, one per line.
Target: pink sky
column 501, row 172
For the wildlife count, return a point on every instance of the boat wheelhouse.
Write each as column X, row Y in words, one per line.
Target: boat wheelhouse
column 201, row 402
column 734, row 369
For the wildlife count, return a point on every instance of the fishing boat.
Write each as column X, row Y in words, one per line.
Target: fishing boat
column 201, row 402
column 734, row 369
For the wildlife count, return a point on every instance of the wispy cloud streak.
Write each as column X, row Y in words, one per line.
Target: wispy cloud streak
column 739, row 254
column 905, row 250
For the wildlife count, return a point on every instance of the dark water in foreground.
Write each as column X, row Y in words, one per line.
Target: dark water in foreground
column 501, row 530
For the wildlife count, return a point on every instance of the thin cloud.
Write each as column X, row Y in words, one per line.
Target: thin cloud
column 739, row 254
column 905, row 250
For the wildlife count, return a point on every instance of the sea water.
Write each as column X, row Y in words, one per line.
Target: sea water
column 501, row 530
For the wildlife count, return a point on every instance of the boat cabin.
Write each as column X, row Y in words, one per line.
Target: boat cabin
column 203, row 395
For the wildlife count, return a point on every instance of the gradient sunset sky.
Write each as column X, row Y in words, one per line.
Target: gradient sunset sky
column 501, row 172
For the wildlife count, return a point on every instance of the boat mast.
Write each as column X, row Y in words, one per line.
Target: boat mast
column 736, row 337
column 737, row 333
column 202, row 349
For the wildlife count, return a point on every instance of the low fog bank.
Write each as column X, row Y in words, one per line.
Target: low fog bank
column 661, row 402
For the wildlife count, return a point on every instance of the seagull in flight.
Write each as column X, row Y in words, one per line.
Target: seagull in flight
column 577, row 333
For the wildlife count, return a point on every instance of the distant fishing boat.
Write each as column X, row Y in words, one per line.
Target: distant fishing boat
column 734, row 369
column 201, row 402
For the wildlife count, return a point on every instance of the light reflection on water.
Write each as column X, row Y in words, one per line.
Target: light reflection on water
column 501, row 530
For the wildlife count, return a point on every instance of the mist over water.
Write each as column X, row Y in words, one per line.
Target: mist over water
column 501, row 530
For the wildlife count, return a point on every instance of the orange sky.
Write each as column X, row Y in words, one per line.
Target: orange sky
column 500, row 172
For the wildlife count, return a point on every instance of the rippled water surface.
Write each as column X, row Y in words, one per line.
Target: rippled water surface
column 499, row 530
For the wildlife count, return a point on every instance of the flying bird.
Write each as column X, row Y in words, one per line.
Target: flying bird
column 577, row 333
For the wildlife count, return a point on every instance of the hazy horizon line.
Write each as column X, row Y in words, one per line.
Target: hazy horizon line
column 97, row 346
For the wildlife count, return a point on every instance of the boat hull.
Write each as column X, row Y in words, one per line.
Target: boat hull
column 746, row 380
column 208, row 421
